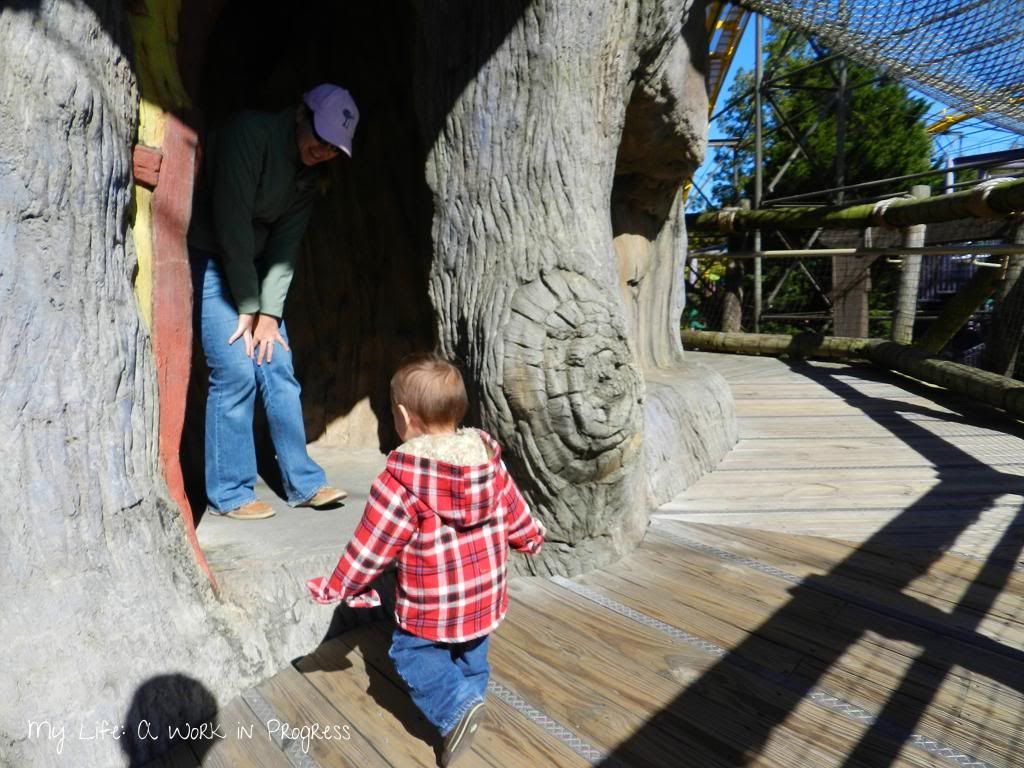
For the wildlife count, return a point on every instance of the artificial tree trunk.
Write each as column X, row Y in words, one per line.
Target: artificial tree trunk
column 106, row 615
column 570, row 111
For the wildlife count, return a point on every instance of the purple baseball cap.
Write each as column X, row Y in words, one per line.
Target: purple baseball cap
column 335, row 115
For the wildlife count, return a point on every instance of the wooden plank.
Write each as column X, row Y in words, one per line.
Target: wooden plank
column 808, row 389
column 948, row 576
column 509, row 739
column 837, row 641
column 671, row 682
column 583, row 705
column 857, row 426
column 983, row 488
column 851, row 656
column 179, row 757
column 882, row 526
column 912, row 601
column 375, row 707
column 772, row 500
column 951, row 453
column 237, row 750
column 834, row 406
column 968, row 476
column 747, row 602
column 301, row 705
column 790, row 420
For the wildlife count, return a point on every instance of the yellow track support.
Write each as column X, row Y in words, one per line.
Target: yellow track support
column 724, row 24
column 946, row 122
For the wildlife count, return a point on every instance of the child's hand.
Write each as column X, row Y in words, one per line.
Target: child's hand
column 321, row 591
column 365, row 600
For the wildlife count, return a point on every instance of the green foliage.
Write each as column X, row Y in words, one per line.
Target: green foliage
column 885, row 132
column 885, row 136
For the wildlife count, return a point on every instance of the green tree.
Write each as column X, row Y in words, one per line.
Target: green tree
column 885, row 132
column 885, row 136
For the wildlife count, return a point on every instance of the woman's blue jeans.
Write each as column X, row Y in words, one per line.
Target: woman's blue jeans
column 234, row 381
column 444, row 679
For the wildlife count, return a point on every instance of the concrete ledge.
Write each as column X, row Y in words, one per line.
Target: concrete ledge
column 689, row 426
column 262, row 566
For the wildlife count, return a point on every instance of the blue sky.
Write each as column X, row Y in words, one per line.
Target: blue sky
column 967, row 138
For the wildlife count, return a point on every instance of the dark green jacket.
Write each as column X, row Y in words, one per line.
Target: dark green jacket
column 252, row 205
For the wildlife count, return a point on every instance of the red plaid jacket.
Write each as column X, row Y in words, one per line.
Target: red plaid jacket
column 450, row 527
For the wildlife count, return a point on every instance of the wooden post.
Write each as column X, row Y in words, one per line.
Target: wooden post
column 758, row 160
column 851, row 282
column 732, row 285
column 910, row 277
column 1006, row 334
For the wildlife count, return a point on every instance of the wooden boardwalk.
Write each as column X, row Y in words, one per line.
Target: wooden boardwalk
column 843, row 591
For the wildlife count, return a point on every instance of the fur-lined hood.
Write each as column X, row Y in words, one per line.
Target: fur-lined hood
column 455, row 475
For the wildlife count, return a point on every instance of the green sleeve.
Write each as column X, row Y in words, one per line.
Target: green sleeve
column 240, row 149
column 279, row 257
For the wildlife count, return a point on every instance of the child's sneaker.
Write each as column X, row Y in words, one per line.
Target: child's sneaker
column 461, row 736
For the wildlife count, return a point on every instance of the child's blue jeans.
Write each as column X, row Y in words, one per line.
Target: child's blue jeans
column 444, row 679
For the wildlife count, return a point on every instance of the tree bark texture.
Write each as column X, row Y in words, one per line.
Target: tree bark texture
column 106, row 615
column 513, row 198
column 569, row 111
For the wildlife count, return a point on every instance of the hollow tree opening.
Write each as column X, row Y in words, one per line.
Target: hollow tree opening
column 358, row 301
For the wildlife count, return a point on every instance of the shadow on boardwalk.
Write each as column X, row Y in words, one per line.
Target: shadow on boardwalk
column 895, row 616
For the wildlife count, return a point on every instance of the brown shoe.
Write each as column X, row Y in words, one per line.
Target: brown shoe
column 324, row 497
column 254, row 510
column 460, row 737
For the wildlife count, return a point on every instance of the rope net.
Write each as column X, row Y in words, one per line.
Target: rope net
column 968, row 54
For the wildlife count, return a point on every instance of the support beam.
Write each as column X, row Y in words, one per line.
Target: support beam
column 758, row 158
column 959, row 309
column 993, row 200
column 981, row 249
column 1006, row 332
column 910, row 277
column 990, row 388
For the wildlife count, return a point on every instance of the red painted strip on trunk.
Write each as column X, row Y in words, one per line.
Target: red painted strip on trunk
column 172, row 309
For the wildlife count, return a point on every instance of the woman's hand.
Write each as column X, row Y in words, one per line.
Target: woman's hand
column 264, row 336
column 244, row 331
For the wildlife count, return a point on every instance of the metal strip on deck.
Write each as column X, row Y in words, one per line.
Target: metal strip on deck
column 587, row 751
column 291, row 748
column 819, row 696
column 964, row 636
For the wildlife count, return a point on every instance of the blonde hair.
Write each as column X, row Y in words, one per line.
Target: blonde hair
column 431, row 388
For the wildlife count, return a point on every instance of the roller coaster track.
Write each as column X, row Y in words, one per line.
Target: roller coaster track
column 724, row 25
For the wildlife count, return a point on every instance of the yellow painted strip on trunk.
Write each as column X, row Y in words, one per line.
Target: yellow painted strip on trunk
column 142, row 232
column 154, row 29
